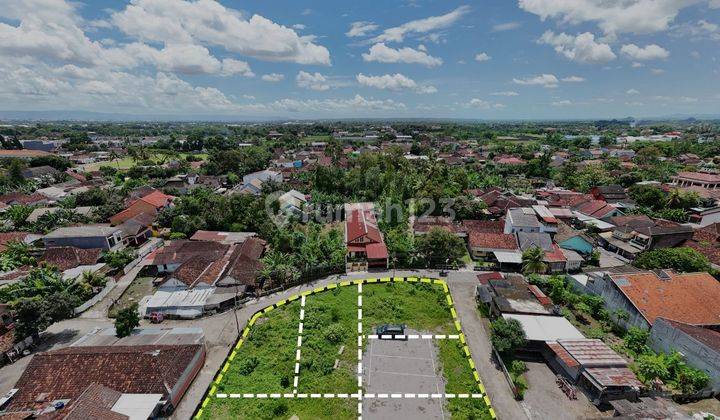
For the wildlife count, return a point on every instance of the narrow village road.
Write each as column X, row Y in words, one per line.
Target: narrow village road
column 462, row 289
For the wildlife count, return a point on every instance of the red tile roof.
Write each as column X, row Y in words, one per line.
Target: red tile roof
column 158, row 199
column 376, row 251
column 692, row 298
column 6, row 237
column 708, row 337
column 699, row 176
column 68, row 257
column 485, row 240
column 67, row 372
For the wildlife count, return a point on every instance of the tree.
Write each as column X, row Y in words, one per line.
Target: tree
column 636, row 340
column 119, row 259
column 507, row 335
column 127, row 320
column 438, row 246
column 533, row 260
column 15, row 255
column 683, row 259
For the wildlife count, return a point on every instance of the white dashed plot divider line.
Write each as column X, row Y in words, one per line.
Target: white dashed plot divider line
column 297, row 351
column 359, row 352
column 358, row 396
column 413, row 336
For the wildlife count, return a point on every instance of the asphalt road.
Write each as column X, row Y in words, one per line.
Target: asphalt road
column 462, row 289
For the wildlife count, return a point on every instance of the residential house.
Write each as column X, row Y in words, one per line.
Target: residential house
column 34, row 199
column 365, row 243
column 86, row 237
column 24, row 237
column 150, row 204
column 523, row 219
column 598, row 209
column 293, row 202
column 253, row 183
column 168, row 258
column 511, row 294
column 485, row 238
column 574, row 240
column 613, row 194
column 636, row 236
column 67, row 257
column 692, row 298
column 105, row 382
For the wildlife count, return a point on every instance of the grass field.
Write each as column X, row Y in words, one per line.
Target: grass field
column 128, row 162
column 265, row 361
column 138, row 289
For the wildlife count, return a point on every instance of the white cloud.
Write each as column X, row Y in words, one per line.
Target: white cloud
column 208, row 22
column 272, row 77
column 505, row 93
column 384, row 54
column 482, row 57
column 299, row 26
column 581, row 48
column 700, row 30
column 313, row 81
column 573, row 79
column 544, row 80
column 357, row 103
column 695, row 54
column 482, row 104
column 657, row 71
column 612, row 16
column 649, row 52
column 395, row 82
column 360, row 29
column 420, row 26
column 637, row 65
column 564, row 102
column 509, row 26
column 632, row 92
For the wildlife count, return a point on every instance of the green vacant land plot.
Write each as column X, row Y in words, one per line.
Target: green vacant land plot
column 261, row 380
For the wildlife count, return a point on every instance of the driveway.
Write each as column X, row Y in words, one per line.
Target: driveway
column 462, row 288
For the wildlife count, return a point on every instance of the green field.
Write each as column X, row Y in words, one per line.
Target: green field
column 265, row 361
column 128, row 162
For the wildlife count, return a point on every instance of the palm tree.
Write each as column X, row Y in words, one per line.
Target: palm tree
column 533, row 260
column 114, row 157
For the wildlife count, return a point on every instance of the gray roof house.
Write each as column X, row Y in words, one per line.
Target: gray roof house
column 522, row 219
column 87, row 236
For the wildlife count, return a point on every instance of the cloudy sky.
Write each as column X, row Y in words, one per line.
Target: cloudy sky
column 488, row 59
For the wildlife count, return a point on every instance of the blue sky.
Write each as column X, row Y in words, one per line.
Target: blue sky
column 499, row 59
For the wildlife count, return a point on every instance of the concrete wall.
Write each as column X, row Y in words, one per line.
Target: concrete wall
column 81, row 242
column 616, row 300
column 664, row 338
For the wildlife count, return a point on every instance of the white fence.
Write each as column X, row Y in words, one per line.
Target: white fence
column 97, row 298
column 143, row 251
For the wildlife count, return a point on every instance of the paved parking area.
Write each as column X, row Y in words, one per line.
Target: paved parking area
column 402, row 367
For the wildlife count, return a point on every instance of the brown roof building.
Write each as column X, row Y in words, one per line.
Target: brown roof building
column 79, row 378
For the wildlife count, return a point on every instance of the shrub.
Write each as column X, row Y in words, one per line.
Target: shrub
column 507, row 335
column 127, row 319
column 248, row 365
column 636, row 340
column 334, row 333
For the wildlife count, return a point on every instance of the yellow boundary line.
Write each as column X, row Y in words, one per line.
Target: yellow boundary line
column 212, row 389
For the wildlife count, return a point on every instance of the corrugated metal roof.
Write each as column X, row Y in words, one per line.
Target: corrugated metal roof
column 592, row 353
column 607, row 377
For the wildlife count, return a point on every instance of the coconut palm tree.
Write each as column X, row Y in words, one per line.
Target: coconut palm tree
column 533, row 260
